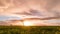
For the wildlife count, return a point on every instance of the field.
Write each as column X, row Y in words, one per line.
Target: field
column 29, row 30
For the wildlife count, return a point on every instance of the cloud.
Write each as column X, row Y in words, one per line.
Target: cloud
column 29, row 8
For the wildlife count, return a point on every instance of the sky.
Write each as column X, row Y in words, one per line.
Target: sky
column 19, row 9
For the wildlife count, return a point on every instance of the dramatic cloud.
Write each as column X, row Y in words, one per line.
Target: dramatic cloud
column 29, row 9
column 40, row 8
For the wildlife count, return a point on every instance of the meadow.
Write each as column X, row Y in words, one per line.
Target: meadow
column 29, row 29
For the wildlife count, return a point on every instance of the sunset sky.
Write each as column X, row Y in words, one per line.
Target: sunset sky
column 20, row 9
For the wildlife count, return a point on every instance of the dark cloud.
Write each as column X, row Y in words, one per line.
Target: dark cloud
column 31, row 12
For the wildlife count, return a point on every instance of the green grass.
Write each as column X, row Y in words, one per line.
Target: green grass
column 29, row 30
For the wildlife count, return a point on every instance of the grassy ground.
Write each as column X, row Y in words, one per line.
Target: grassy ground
column 29, row 30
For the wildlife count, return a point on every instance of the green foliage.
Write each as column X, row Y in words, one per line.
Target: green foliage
column 29, row 30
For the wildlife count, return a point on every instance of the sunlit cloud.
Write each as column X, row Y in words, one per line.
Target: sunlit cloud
column 21, row 9
column 38, row 8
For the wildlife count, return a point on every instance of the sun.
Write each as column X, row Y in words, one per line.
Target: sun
column 27, row 23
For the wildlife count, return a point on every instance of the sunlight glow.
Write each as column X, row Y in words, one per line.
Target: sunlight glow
column 27, row 23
